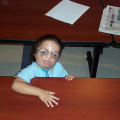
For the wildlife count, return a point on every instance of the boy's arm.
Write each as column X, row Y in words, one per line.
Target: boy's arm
column 19, row 85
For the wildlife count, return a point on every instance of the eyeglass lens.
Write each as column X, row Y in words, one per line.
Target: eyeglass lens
column 45, row 52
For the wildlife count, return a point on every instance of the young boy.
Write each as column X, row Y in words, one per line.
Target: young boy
column 48, row 49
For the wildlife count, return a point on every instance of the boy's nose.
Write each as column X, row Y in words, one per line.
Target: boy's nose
column 49, row 56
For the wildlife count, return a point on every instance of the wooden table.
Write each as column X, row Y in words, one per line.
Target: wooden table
column 25, row 21
column 80, row 99
column 116, row 38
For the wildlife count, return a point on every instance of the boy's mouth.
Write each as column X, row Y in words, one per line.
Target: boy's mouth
column 47, row 63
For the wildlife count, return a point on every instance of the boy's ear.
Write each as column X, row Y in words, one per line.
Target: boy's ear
column 34, row 55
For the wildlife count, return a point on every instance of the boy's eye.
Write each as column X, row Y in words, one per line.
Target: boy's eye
column 55, row 55
column 42, row 51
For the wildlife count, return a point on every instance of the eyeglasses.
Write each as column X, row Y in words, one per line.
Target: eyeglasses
column 46, row 52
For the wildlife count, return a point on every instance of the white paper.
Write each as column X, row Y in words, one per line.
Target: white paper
column 110, row 21
column 67, row 11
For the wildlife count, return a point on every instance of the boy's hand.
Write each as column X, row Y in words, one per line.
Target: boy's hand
column 48, row 98
column 69, row 77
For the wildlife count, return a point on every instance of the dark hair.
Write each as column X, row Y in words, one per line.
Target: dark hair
column 48, row 37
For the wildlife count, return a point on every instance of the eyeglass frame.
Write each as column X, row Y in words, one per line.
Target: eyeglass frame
column 52, row 53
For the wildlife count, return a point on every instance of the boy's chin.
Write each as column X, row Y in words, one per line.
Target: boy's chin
column 47, row 68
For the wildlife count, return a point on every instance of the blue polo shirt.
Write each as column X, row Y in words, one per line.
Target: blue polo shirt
column 34, row 70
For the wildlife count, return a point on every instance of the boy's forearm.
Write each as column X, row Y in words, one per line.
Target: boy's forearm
column 19, row 85
column 25, row 88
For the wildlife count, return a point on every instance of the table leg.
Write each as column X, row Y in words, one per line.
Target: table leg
column 93, row 61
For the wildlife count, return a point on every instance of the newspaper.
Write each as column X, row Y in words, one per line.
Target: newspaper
column 110, row 21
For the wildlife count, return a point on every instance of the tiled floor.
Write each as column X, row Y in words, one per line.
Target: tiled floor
column 73, row 59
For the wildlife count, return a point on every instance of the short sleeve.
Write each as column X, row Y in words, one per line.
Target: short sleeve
column 27, row 73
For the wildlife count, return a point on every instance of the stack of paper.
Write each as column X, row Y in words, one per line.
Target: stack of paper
column 110, row 21
column 67, row 11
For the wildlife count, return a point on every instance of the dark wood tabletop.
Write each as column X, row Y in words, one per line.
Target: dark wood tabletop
column 26, row 21
column 80, row 99
column 117, row 4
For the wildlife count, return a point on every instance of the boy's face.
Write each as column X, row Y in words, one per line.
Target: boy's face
column 47, row 61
